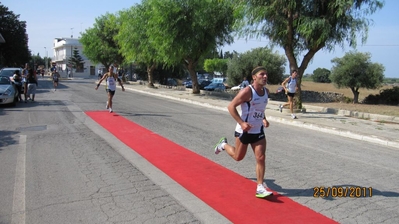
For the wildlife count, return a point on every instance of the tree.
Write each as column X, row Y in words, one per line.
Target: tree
column 185, row 31
column 98, row 42
column 242, row 65
column 76, row 60
column 133, row 39
column 302, row 28
column 14, row 52
column 216, row 65
column 321, row 75
column 354, row 71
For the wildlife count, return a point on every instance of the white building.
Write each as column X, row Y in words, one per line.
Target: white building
column 63, row 50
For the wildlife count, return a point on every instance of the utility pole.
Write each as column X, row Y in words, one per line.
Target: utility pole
column 71, row 52
column 46, row 61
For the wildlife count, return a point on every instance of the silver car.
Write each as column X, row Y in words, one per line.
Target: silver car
column 10, row 72
column 8, row 92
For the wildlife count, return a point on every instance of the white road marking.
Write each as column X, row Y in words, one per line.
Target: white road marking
column 18, row 207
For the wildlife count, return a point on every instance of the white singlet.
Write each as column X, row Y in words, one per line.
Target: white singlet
column 253, row 111
column 291, row 86
column 111, row 84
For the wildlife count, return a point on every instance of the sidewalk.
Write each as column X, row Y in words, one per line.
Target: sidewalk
column 373, row 128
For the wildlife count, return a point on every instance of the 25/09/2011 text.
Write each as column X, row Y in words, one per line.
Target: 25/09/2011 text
column 342, row 192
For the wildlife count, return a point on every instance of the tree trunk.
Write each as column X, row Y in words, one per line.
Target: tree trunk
column 191, row 69
column 355, row 95
column 150, row 70
column 298, row 98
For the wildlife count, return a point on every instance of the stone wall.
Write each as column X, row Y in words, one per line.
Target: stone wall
column 312, row 96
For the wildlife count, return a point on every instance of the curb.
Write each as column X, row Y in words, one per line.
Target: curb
column 339, row 132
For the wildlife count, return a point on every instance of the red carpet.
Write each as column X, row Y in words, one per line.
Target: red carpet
column 227, row 192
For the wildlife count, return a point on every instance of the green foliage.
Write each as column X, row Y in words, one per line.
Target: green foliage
column 242, row 64
column 134, row 36
column 321, row 75
column 229, row 54
column 386, row 96
column 305, row 27
column 216, row 64
column 76, row 60
column 355, row 70
column 391, row 80
column 98, row 42
column 14, row 52
column 37, row 60
column 191, row 28
column 186, row 31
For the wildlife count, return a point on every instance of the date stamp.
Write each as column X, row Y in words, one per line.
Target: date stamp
column 342, row 192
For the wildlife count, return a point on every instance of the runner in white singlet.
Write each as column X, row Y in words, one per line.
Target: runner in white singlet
column 110, row 85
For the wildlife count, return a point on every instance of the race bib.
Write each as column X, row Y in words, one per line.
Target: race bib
column 258, row 115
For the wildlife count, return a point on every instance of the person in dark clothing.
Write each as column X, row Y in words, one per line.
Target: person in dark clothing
column 30, row 85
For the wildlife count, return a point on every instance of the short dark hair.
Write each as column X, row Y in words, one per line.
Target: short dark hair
column 294, row 71
column 257, row 69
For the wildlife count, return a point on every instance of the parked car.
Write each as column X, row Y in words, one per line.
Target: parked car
column 9, row 71
column 236, row 87
column 8, row 92
column 215, row 86
column 171, row 82
column 204, row 83
column 189, row 84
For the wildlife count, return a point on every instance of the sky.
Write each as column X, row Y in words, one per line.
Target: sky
column 47, row 20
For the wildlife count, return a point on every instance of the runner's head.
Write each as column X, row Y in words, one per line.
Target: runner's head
column 259, row 75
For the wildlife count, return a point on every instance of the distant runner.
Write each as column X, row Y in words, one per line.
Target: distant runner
column 110, row 86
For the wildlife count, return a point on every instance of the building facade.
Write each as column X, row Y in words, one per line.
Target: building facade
column 63, row 50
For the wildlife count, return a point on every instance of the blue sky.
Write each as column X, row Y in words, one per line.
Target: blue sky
column 47, row 20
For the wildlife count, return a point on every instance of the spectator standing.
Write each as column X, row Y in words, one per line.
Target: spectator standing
column 100, row 73
column 244, row 83
column 31, row 84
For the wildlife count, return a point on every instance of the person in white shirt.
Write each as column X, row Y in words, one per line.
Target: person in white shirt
column 110, row 85
column 244, row 83
column 290, row 86
column 250, row 124
column 100, row 73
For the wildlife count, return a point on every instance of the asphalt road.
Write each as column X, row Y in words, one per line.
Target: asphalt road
column 58, row 167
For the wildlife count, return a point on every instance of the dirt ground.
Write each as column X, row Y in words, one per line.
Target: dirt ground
column 329, row 87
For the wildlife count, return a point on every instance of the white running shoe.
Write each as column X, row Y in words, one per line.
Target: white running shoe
column 261, row 191
column 110, row 110
column 280, row 108
column 293, row 116
column 218, row 146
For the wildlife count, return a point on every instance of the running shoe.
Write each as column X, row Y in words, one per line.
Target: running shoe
column 110, row 110
column 293, row 116
column 280, row 108
column 218, row 146
column 261, row 191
